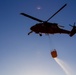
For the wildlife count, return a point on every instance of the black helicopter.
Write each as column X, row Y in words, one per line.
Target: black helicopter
column 45, row 26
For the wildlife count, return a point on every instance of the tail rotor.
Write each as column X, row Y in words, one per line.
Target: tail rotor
column 73, row 31
column 72, row 25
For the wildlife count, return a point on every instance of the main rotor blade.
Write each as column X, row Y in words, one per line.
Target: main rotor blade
column 31, row 17
column 57, row 11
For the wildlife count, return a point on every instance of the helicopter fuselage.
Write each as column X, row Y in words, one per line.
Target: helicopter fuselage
column 48, row 28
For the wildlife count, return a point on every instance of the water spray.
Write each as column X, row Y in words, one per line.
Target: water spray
column 62, row 65
column 60, row 62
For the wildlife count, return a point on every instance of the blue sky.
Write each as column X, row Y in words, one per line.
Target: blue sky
column 21, row 54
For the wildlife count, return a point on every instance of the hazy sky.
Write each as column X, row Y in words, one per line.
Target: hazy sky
column 21, row 54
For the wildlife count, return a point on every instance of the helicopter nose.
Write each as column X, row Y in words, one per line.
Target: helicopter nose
column 32, row 28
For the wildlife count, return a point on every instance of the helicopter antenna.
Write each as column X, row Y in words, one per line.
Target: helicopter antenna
column 57, row 11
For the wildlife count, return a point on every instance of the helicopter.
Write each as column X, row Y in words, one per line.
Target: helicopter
column 45, row 26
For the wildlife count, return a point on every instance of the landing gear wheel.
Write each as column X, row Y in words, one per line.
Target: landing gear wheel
column 40, row 34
